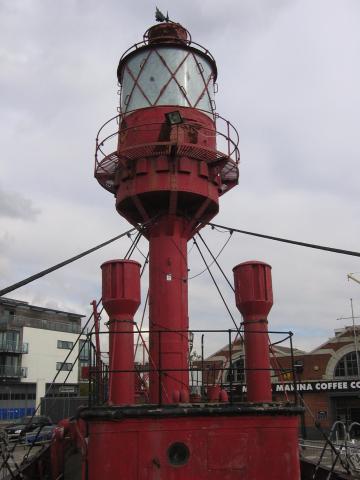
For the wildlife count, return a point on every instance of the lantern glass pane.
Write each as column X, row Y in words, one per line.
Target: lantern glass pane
column 167, row 76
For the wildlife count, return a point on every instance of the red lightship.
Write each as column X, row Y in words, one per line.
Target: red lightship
column 167, row 173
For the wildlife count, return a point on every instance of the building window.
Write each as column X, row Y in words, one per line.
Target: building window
column 64, row 344
column 63, row 366
column 84, row 350
column 18, row 396
column 347, row 366
column 9, row 341
column 238, row 371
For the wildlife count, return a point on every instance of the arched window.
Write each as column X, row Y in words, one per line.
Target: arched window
column 238, row 371
column 347, row 366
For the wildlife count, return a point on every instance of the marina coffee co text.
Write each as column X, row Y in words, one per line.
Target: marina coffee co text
column 322, row 386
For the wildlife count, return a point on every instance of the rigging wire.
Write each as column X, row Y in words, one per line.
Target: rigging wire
column 215, row 258
column 144, row 266
column 151, row 361
column 280, row 368
column 132, row 246
column 61, row 264
column 30, row 279
column 142, row 322
column 286, row 240
column 191, row 248
column 218, row 289
column 142, row 254
column 145, row 305
column 135, row 246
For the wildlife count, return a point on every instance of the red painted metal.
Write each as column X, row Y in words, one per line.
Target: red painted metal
column 167, row 32
column 57, row 453
column 171, row 179
column 97, row 338
column 121, row 299
column 232, row 448
column 254, row 299
column 213, row 393
column 168, row 309
column 144, row 137
column 98, row 366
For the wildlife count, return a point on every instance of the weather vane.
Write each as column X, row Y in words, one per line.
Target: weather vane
column 160, row 17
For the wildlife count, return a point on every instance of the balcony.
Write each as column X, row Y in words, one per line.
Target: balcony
column 10, row 371
column 14, row 347
column 46, row 324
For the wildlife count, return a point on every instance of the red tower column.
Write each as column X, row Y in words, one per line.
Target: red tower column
column 168, row 308
column 254, row 299
column 121, row 299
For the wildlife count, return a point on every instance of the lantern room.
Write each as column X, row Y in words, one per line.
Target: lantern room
column 167, row 71
column 171, row 153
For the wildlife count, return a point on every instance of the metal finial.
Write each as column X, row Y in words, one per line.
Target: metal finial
column 160, row 17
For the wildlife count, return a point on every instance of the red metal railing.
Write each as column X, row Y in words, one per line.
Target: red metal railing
column 204, row 373
column 108, row 146
column 188, row 42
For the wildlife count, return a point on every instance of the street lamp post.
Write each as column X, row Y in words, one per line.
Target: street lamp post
column 355, row 337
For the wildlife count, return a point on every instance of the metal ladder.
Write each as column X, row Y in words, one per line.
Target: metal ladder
column 8, row 464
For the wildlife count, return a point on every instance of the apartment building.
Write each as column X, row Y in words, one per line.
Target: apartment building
column 34, row 343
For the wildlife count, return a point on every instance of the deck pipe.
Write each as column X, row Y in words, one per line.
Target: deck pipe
column 254, row 299
column 121, row 299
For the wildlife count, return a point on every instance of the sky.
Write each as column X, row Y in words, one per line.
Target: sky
column 288, row 77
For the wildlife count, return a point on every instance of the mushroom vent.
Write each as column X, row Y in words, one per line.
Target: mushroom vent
column 121, row 287
column 253, row 288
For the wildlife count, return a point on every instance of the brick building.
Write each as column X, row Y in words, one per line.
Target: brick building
column 327, row 378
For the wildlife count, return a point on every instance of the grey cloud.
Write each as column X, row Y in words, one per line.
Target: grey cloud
column 14, row 205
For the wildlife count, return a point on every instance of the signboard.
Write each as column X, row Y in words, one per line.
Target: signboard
column 313, row 386
column 322, row 386
column 66, row 389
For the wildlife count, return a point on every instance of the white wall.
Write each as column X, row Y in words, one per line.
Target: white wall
column 43, row 356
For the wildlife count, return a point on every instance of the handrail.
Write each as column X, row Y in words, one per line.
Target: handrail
column 187, row 42
column 231, row 136
column 12, row 371
column 14, row 347
column 209, row 372
column 46, row 324
column 121, row 116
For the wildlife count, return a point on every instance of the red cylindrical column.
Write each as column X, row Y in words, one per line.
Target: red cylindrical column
column 121, row 299
column 168, row 310
column 254, row 299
